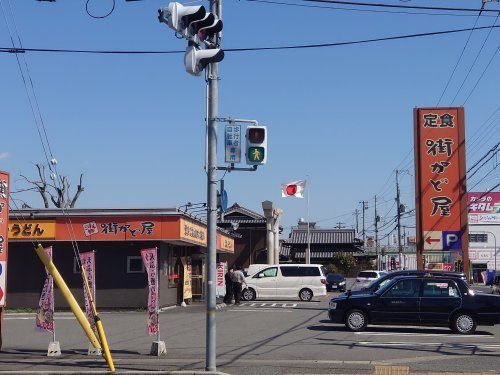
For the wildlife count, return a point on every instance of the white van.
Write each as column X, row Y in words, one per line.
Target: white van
column 286, row 281
column 254, row 268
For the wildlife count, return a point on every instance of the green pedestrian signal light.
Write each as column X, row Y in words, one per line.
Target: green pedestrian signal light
column 256, row 145
column 256, row 154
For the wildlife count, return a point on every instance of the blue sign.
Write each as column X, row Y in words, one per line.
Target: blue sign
column 0, row 269
column 223, row 200
column 452, row 240
column 232, row 141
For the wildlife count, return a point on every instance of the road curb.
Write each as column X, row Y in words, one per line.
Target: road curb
column 405, row 370
column 197, row 372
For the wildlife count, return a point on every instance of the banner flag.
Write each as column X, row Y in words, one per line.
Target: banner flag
column 88, row 263
column 45, row 311
column 150, row 260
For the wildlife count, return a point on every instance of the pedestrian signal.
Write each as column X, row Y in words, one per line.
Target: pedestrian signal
column 256, row 145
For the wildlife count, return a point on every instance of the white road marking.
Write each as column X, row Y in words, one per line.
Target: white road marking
column 447, row 345
column 262, row 309
column 271, row 305
column 421, row 334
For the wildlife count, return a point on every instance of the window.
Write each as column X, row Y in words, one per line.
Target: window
column 404, row 288
column 290, row 271
column 134, row 264
column 478, row 237
column 368, row 274
column 309, row 271
column 440, row 288
column 270, row 272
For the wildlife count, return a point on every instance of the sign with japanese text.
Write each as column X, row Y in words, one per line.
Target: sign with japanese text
column 44, row 320
column 4, row 228
column 484, row 208
column 233, row 143
column 193, row 232
column 187, row 286
column 441, row 200
column 150, row 259
column 32, row 229
column 225, row 243
column 88, row 264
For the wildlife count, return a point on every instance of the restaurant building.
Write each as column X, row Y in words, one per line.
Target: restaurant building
column 116, row 236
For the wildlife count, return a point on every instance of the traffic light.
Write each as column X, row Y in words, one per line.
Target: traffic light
column 197, row 26
column 178, row 17
column 195, row 59
column 256, row 145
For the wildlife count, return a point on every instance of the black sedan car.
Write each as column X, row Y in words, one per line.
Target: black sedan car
column 335, row 281
column 418, row 300
column 381, row 281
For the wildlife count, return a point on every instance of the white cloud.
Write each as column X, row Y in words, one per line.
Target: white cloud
column 4, row 155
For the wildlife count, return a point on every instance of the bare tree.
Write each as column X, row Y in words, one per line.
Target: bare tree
column 57, row 191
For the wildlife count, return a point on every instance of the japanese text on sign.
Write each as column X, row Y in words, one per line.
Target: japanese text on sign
column 233, row 143
column 439, row 147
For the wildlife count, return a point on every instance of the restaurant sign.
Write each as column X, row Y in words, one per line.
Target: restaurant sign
column 32, row 230
column 484, row 208
column 441, row 200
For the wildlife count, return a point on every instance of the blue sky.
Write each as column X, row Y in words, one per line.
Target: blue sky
column 134, row 124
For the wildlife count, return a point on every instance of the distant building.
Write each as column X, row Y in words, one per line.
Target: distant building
column 249, row 230
column 325, row 242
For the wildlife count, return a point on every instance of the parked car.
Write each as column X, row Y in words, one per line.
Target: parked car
column 254, row 268
column 335, row 281
column 364, row 278
column 418, row 300
column 382, row 280
column 286, row 281
column 496, row 285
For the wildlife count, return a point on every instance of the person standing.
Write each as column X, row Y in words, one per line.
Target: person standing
column 238, row 279
column 228, row 298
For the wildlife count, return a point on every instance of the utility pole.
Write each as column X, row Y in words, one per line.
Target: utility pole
column 398, row 207
column 357, row 220
column 364, row 207
column 376, row 234
column 212, row 77
column 340, row 225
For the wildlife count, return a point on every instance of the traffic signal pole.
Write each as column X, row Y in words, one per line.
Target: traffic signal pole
column 212, row 76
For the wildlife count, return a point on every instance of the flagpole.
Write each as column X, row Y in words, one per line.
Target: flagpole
column 308, row 250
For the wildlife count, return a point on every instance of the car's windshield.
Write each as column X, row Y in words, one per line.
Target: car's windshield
column 334, row 277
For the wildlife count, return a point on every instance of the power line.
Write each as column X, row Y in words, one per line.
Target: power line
column 282, row 3
column 245, row 49
column 475, row 60
column 400, row 6
column 460, row 57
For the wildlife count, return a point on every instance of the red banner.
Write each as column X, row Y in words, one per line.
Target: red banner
column 150, row 259
column 4, row 230
column 440, row 183
column 88, row 264
column 45, row 312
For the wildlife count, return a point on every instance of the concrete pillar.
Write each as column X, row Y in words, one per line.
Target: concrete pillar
column 277, row 219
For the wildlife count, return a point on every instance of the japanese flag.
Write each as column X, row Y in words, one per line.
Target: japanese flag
column 295, row 188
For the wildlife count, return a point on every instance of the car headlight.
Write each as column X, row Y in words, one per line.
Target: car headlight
column 333, row 305
column 342, row 283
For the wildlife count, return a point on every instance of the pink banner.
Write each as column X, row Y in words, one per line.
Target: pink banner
column 88, row 263
column 45, row 311
column 150, row 259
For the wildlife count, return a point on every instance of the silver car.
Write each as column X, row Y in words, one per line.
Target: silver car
column 364, row 278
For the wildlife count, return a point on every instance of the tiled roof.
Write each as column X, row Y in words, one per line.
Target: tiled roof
column 322, row 236
column 236, row 213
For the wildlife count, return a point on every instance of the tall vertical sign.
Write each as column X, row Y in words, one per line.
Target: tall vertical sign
column 233, row 143
column 4, row 229
column 88, row 263
column 44, row 318
column 150, row 260
column 440, row 183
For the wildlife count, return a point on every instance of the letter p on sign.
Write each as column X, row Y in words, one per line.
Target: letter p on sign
column 452, row 240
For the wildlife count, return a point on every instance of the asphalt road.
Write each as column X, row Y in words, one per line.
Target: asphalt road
column 264, row 337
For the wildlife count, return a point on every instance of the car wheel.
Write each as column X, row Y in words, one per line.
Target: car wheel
column 463, row 323
column 306, row 295
column 249, row 294
column 356, row 320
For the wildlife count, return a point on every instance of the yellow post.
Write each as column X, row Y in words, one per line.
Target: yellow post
column 75, row 308
column 98, row 323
